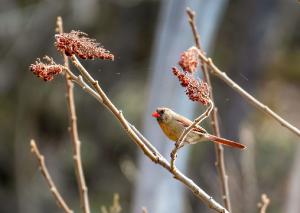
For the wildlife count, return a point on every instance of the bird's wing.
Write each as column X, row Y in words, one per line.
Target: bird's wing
column 186, row 123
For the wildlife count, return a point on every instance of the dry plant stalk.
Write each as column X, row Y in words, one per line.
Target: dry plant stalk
column 220, row 161
column 82, row 188
column 263, row 205
column 43, row 168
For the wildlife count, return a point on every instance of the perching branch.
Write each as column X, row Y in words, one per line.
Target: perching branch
column 141, row 142
column 263, row 205
column 180, row 142
column 223, row 76
column 43, row 168
column 83, row 190
column 220, row 162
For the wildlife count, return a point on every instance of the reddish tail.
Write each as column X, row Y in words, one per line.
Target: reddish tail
column 226, row 142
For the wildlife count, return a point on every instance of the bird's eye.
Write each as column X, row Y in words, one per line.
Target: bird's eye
column 162, row 111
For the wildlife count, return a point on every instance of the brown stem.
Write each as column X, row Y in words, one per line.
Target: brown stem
column 220, row 162
column 83, row 190
column 191, row 18
column 141, row 142
column 43, row 168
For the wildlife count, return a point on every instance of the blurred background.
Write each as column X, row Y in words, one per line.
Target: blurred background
column 257, row 42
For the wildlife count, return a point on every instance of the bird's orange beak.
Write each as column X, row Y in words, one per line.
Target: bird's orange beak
column 155, row 114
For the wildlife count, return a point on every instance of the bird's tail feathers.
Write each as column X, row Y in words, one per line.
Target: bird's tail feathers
column 225, row 142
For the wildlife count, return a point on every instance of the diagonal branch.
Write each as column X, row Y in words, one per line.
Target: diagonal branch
column 220, row 162
column 83, row 190
column 148, row 149
column 223, row 76
column 43, row 168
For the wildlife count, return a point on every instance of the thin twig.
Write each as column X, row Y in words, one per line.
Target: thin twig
column 104, row 209
column 263, row 205
column 83, row 190
column 180, row 142
column 43, row 168
column 223, row 76
column 220, row 161
column 191, row 18
column 191, row 14
column 140, row 141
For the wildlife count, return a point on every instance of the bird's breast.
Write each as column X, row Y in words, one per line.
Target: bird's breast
column 170, row 131
column 174, row 130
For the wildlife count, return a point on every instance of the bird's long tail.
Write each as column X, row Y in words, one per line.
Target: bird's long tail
column 225, row 142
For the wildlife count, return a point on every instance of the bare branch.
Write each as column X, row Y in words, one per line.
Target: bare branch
column 263, row 205
column 43, row 168
column 223, row 76
column 83, row 190
column 191, row 15
column 220, row 162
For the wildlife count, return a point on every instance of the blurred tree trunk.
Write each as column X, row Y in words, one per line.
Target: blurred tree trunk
column 155, row 189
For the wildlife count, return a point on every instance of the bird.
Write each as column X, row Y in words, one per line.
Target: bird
column 173, row 125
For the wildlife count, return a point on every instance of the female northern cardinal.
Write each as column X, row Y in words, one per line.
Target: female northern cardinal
column 173, row 124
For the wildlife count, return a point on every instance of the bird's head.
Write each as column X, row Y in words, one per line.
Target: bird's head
column 163, row 114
